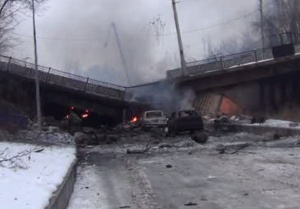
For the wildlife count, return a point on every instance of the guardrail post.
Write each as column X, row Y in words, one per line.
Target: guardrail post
column 47, row 78
column 255, row 55
column 8, row 64
column 222, row 64
column 86, row 84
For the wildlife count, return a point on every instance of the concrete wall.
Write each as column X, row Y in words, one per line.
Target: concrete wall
column 61, row 197
column 272, row 96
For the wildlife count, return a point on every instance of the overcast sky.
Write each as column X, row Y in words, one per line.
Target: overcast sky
column 73, row 34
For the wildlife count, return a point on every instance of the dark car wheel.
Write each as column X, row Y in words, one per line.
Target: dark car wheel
column 166, row 131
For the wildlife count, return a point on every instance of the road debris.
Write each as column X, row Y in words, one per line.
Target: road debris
column 169, row 166
column 200, row 138
column 191, row 204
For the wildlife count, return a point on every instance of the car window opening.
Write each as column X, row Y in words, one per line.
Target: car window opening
column 154, row 114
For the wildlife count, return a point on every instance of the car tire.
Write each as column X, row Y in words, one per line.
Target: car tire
column 166, row 131
column 173, row 132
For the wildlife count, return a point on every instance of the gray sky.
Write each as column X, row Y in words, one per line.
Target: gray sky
column 76, row 32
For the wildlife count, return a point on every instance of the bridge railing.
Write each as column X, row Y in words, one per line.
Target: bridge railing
column 226, row 62
column 230, row 61
column 60, row 78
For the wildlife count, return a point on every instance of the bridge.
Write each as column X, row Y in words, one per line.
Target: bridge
column 253, row 82
column 59, row 90
column 234, row 77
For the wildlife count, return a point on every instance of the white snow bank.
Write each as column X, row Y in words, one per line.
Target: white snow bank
column 279, row 124
column 29, row 182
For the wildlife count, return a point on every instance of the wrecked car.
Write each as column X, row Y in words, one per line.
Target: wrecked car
column 183, row 121
column 153, row 118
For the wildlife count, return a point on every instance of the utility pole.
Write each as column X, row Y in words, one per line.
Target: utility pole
column 121, row 53
column 37, row 84
column 262, row 23
column 183, row 63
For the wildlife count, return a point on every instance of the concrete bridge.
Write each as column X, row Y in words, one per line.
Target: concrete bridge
column 59, row 91
column 249, row 82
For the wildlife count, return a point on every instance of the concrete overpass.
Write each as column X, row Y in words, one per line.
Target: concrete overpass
column 60, row 90
column 253, row 81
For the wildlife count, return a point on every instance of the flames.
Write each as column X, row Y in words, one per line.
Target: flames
column 85, row 115
column 134, row 120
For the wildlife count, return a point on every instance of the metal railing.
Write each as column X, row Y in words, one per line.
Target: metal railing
column 226, row 62
column 60, row 78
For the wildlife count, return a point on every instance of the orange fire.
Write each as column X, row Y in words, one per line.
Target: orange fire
column 85, row 115
column 134, row 120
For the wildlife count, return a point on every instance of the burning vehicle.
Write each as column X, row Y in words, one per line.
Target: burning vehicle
column 184, row 120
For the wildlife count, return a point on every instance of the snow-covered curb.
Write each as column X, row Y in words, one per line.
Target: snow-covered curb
column 36, row 176
column 258, row 129
column 60, row 199
column 278, row 124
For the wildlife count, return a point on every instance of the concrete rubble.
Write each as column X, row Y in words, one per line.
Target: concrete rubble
column 49, row 134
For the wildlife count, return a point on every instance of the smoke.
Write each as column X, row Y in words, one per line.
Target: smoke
column 164, row 96
column 76, row 31
column 187, row 100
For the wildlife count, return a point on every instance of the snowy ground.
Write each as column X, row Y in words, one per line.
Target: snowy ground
column 177, row 173
column 27, row 182
column 279, row 124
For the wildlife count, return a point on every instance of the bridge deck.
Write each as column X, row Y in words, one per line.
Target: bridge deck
column 63, row 79
column 227, row 62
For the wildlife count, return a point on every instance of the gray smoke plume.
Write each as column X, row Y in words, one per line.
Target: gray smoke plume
column 76, row 31
column 164, row 96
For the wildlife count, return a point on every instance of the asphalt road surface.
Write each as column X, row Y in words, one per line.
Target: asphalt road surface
column 182, row 174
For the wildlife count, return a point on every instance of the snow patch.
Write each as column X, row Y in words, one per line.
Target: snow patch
column 277, row 124
column 31, row 183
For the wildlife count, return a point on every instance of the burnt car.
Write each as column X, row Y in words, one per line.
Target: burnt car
column 183, row 121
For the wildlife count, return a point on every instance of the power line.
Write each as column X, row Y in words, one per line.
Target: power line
column 54, row 39
column 213, row 26
column 218, row 24
column 165, row 34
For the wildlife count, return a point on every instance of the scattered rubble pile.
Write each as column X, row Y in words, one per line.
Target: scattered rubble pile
column 48, row 135
column 233, row 143
column 250, row 120
column 236, row 119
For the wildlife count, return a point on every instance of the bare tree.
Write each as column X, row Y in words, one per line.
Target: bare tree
column 231, row 45
column 10, row 14
column 281, row 16
column 16, row 161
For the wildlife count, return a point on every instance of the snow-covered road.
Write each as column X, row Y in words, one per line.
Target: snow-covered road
column 108, row 183
column 263, row 176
